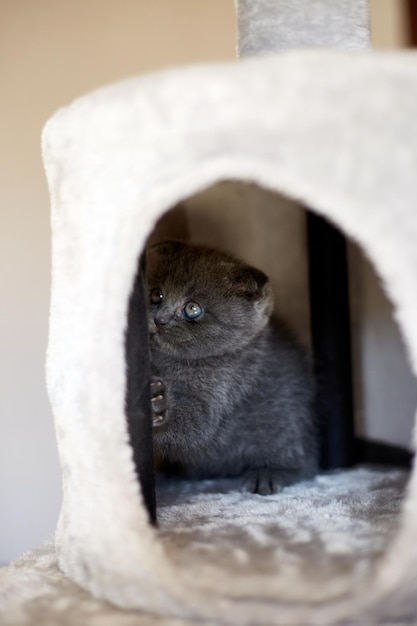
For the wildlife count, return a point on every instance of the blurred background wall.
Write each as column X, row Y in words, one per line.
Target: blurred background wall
column 52, row 51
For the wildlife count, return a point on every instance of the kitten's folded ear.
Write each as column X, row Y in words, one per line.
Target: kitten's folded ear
column 249, row 282
column 253, row 285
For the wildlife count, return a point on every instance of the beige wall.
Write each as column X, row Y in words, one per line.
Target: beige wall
column 389, row 23
column 51, row 51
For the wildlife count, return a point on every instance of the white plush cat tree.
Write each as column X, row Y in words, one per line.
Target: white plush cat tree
column 335, row 130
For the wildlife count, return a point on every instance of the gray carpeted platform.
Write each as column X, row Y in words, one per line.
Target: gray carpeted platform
column 320, row 531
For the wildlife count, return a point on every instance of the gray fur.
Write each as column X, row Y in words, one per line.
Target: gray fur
column 232, row 392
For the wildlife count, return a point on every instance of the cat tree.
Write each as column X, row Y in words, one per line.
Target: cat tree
column 335, row 130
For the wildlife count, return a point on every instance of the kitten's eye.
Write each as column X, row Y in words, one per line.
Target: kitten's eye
column 156, row 296
column 192, row 310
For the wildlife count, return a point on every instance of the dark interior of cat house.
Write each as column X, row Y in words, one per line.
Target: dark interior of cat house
column 329, row 296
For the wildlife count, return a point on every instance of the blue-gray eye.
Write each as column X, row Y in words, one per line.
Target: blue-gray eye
column 192, row 310
column 156, row 296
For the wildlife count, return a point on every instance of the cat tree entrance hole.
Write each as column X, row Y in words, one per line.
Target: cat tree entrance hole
column 271, row 232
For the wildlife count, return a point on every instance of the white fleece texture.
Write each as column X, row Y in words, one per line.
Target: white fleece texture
column 336, row 131
column 309, row 536
column 272, row 25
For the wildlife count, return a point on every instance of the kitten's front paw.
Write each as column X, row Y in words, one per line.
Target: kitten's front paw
column 263, row 481
column 158, row 402
column 269, row 480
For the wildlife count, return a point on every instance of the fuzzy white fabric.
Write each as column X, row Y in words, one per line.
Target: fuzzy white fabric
column 336, row 131
column 310, row 534
column 272, row 25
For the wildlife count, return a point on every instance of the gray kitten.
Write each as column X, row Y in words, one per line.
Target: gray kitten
column 232, row 392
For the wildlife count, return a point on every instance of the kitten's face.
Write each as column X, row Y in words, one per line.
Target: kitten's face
column 203, row 302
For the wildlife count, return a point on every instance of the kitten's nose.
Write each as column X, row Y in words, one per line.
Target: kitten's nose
column 160, row 322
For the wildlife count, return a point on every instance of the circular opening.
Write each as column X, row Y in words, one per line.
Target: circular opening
column 340, row 521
